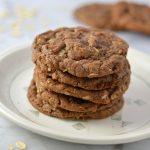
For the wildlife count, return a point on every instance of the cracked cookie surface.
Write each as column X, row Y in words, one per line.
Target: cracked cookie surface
column 80, row 51
column 101, row 96
column 104, row 82
column 67, row 102
column 48, row 109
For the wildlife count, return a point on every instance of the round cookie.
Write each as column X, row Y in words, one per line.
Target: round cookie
column 104, row 82
column 80, row 51
column 71, row 103
column 95, row 15
column 62, row 113
column 131, row 16
column 100, row 97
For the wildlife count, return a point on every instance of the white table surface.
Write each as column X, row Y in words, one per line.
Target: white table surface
column 16, row 28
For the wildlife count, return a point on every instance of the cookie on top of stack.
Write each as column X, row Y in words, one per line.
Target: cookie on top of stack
column 80, row 73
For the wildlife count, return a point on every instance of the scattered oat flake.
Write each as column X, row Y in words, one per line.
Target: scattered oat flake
column 10, row 147
column 23, row 12
column 3, row 14
column 29, row 27
column 21, row 145
column 16, row 33
column 15, row 24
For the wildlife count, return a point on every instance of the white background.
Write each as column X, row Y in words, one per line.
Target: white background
column 40, row 15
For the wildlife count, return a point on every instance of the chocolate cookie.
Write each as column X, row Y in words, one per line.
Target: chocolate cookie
column 81, row 52
column 100, row 97
column 50, row 110
column 95, row 15
column 131, row 16
column 104, row 82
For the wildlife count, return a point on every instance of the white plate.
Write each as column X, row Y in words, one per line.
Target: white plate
column 130, row 124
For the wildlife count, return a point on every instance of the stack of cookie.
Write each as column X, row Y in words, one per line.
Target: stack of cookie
column 80, row 73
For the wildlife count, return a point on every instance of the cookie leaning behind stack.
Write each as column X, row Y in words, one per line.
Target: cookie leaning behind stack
column 118, row 16
column 80, row 73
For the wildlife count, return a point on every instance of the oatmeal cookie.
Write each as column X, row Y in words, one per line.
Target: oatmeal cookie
column 80, row 51
column 50, row 110
column 95, row 15
column 100, row 96
column 104, row 82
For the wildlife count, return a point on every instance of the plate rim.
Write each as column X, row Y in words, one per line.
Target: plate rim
column 39, row 129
